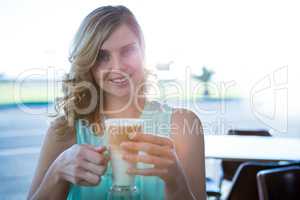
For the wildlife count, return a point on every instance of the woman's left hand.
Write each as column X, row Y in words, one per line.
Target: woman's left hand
column 160, row 152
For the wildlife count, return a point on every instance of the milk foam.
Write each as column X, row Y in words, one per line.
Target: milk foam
column 120, row 167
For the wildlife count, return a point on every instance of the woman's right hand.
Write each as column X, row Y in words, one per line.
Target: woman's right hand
column 82, row 164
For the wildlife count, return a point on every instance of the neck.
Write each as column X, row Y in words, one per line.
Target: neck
column 123, row 107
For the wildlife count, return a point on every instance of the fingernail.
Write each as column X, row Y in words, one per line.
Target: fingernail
column 101, row 148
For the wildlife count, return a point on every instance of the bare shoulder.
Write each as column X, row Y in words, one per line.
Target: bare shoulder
column 186, row 130
column 60, row 131
column 187, row 134
column 59, row 137
column 185, row 121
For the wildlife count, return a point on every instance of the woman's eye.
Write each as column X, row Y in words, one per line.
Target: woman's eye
column 103, row 57
column 128, row 50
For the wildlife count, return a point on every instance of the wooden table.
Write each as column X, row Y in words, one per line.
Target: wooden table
column 230, row 147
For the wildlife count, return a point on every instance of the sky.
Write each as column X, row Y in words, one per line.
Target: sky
column 242, row 41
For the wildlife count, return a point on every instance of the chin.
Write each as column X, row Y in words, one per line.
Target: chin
column 118, row 92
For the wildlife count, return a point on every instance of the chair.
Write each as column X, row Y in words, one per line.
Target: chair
column 213, row 188
column 279, row 184
column 244, row 184
column 229, row 167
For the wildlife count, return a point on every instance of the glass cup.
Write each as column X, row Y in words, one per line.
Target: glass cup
column 120, row 130
column 131, row 194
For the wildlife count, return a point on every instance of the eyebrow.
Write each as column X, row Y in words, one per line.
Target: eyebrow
column 122, row 47
column 128, row 45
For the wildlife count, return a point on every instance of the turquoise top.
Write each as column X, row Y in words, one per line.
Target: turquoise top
column 157, row 118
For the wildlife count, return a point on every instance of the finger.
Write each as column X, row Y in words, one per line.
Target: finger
column 82, row 177
column 100, row 149
column 80, row 182
column 84, row 183
column 149, row 159
column 148, row 172
column 93, row 168
column 89, row 146
column 151, row 138
column 148, row 148
column 93, row 156
column 104, row 151
column 88, row 177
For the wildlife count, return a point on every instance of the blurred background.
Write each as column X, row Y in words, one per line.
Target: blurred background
column 235, row 63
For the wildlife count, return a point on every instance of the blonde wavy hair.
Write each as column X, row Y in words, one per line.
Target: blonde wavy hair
column 84, row 54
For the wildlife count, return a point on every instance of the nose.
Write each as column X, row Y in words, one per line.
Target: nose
column 117, row 64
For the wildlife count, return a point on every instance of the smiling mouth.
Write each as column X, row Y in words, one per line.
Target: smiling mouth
column 119, row 81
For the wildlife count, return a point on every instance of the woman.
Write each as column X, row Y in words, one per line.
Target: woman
column 107, row 79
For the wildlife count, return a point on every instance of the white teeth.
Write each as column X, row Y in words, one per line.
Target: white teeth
column 119, row 80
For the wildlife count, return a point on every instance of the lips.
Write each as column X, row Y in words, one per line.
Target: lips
column 119, row 81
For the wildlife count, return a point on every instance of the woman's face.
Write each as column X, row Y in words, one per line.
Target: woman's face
column 119, row 69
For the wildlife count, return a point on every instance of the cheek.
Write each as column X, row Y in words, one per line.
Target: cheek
column 99, row 76
column 135, row 64
column 139, row 74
